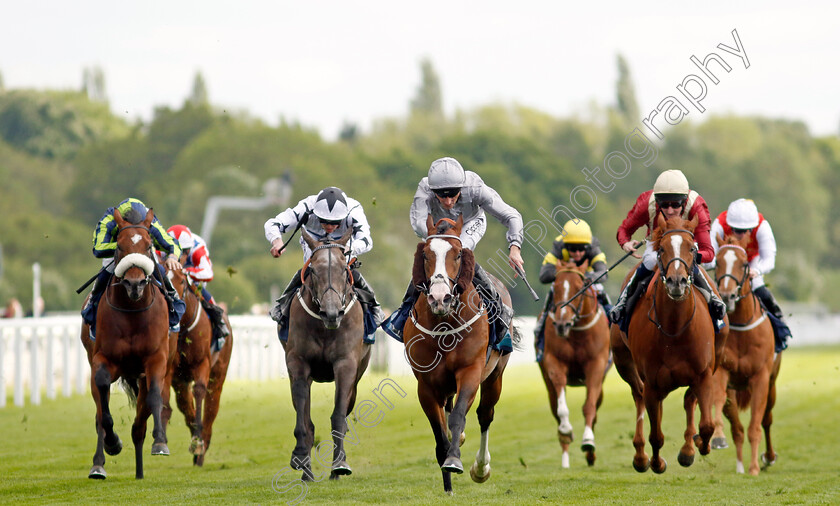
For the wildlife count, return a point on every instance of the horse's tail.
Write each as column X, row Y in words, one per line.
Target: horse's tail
column 516, row 338
column 130, row 388
column 743, row 399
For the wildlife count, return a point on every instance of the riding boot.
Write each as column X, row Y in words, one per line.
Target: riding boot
column 539, row 330
column 217, row 321
column 499, row 314
column 176, row 306
column 781, row 331
column 618, row 313
column 717, row 308
column 394, row 324
column 373, row 311
column 89, row 311
column 280, row 311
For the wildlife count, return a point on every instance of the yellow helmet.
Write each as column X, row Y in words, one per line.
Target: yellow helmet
column 577, row 233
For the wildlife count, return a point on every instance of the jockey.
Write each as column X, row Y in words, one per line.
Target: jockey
column 105, row 245
column 196, row 261
column 450, row 192
column 329, row 214
column 671, row 197
column 576, row 243
column 742, row 217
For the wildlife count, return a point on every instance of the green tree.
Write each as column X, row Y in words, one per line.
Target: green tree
column 198, row 96
column 625, row 91
column 427, row 99
column 93, row 84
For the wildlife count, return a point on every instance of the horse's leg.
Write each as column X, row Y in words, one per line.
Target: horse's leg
column 548, row 368
column 434, row 412
column 166, row 410
column 730, row 410
column 299, row 372
column 626, row 368
column 759, row 387
column 686, row 455
column 768, row 458
column 556, row 372
column 156, row 367
column 653, row 404
column 491, row 390
column 594, row 395
column 705, row 391
column 447, row 411
column 201, row 376
column 184, row 400
column 467, row 381
column 138, row 428
column 107, row 440
column 721, row 379
column 211, row 405
column 345, row 391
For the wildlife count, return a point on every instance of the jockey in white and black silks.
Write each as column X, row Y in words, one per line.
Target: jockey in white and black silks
column 329, row 214
column 451, row 192
column 105, row 246
column 195, row 257
column 741, row 218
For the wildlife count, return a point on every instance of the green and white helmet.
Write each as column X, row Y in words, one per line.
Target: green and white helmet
column 446, row 173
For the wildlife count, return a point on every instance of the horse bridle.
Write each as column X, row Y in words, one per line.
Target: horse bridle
column 575, row 308
column 107, row 298
column 739, row 284
column 453, row 290
column 317, row 300
column 663, row 269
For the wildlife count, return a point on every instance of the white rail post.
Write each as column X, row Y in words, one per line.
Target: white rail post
column 50, row 365
column 2, row 368
column 66, row 384
column 35, row 369
column 18, row 367
column 81, row 366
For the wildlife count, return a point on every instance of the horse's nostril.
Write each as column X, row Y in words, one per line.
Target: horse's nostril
column 447, row 298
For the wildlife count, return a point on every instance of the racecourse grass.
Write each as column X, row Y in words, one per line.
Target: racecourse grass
column 46, row 451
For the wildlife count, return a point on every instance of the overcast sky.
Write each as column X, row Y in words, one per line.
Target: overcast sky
column 326, row 62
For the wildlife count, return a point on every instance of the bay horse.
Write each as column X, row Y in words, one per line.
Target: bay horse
column 670, row 343
column 132, row 344
column 577, row 353
column 195, row 364
column 748, row 371
column 325, row 345
column 446, row 344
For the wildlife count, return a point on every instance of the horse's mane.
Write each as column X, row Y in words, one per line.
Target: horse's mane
column 443, row 225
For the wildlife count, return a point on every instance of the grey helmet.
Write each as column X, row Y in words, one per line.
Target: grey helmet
column 446, row 173
column 331, row 205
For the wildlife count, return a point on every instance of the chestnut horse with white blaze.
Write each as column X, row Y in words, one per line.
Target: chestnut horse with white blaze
column 132, row 344
column 577, row 353
column 670, row 343
column 748, row 371
column 446, row 343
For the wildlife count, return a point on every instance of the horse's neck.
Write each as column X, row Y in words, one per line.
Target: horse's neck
column 672, row 312
column 746, row 308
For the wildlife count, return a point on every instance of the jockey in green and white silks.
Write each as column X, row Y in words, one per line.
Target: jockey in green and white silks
column 105, row 246
column 451, row 192
column 329, row 214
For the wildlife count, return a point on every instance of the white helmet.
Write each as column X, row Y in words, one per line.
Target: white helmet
column 671, row 183
column 183, row 235
column 446, row 173
column 331, row 205
column 742, row 214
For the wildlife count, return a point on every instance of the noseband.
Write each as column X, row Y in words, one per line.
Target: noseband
column 663, row 269
column 148, row 276
column 346, row 305
column 576, row 309
column 739, row 283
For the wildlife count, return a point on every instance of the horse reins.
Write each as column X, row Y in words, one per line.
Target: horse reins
column 576, row 309
column 739, row 286
column 346, row 306
column 662, row 271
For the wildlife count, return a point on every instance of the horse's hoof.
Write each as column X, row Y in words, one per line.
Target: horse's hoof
column 590, row 458
column 196, row 446
column 334, row 477
column 641, row 466
column 564, row 460
column 160, row 449
column 299, row 462
column 765, row 463
column 475, row 477
column 659, row 469
column 97, row 473
column 719, row 443
column 198, row 460
column 587, row 445
column 452, row 465
column 685, row 460
column 113, row 449
column 341, row 469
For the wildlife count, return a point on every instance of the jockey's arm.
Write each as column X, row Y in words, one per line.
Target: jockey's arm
column 290, row 218
column 420, row 209
column 361, row 241
column 201, row 269
column 548, row 269
column 766, row 259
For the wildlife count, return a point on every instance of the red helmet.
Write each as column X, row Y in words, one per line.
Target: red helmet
column 183, row 235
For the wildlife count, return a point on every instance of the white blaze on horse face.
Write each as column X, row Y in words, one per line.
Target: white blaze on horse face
column 676, row 243
column 729, row 257
column 565, row 296
column 439, row 284
column 136, row 238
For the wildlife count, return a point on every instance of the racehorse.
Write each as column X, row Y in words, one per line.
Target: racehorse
column 132, row 343
column 671, row 342
column 748, row 371
column 446, row 343
column 325, row 344
column 577, row 353
column 194, row 363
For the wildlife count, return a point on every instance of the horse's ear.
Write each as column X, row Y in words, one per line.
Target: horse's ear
column 308, row 239
column 720, row 238
column 346, row 237
column 459, row 224
column 585, row 265
column 430, row 225
column 660, row 221
column 465, row 277
column 418, row 270
column 692, row 224
column 118, row 218
column 150, row 217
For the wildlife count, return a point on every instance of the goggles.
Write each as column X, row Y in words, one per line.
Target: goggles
column 447, row 193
